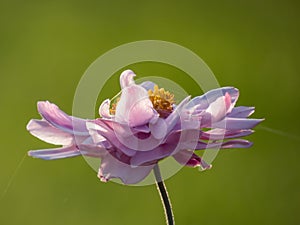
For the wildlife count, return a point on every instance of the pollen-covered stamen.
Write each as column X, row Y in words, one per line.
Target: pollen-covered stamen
column 113, row 107
column 162, row 101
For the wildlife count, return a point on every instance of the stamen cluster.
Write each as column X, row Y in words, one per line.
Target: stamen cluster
column 162, row 101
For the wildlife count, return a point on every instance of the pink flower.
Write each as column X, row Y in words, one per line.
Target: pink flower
column 143, row 127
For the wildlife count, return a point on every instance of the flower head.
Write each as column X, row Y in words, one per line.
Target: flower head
column 144, row 126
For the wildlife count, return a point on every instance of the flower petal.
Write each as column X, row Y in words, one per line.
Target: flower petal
column 188, row 158
column 218, row 109
column 61, row 120
column 104, row 109
column 134, row 107
column 203, row 101
column 237, row 123
column 159, row 129
column 91, row 149
column 142, row 128
column 148, row 85
column 219, row 134
column 100, row 129
column 113, row 168
column 48, row 133
column 175, row 142
column 236, row 143
column 55, row 153
column 241, row 112
column 174, row 117
column 126, row 78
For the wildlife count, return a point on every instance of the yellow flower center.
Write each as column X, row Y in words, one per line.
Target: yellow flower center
column 162, row 102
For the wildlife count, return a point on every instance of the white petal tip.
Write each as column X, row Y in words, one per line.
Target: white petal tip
column 126, row 78
column 104, row 109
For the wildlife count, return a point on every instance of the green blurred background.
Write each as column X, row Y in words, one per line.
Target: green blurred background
column 45, row 47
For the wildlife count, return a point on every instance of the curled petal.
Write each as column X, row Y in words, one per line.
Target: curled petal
column 104, row 109
column 126, row 78
column 61, row 120
column 48, row 133
column 55, row 153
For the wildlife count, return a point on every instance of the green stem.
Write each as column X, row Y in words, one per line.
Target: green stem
column 164, row 196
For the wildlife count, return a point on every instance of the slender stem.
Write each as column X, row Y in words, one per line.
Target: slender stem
column 164, row 196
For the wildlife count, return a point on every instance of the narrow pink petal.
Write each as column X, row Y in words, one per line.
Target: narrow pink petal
column 236, row 143
column 48, row 133
column 219, row 134
column 237, row 123
column 55, row 153
column 61, row 120
column 241, row 112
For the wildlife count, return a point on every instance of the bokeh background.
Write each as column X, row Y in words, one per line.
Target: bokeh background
column 45, row 47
